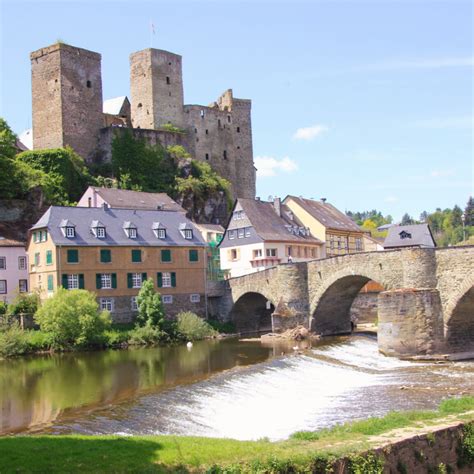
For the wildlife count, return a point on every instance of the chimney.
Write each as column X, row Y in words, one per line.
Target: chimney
column 277, row 205
column 105, row 206
column 323, row 200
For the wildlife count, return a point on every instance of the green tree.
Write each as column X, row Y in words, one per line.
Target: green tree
column 8, row 181
column 150, row 307
column 72, row 318
column 407, row 219
column 24, row 303
column 469, row 212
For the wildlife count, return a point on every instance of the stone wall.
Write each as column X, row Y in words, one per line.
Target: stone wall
column 364, row 308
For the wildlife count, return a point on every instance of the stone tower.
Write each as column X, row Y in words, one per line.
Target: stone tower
column 67, row 98
column 156, row 89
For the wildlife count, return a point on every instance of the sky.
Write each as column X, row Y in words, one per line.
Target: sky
column 366, row 103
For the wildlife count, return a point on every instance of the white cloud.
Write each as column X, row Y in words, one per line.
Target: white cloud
column 269, row 166
column 309, row 133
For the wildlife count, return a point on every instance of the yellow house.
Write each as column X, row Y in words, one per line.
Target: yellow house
column 339, row 232
column 112, row 251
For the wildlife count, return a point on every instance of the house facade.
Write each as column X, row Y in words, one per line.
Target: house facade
column 13, row 269
column 340, row 234
column 111, row 252
column 260, row 235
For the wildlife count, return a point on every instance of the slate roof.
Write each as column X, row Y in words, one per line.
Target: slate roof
column 113, row 220
column 327, row 214
column 416, row 235
column 114, row 106
column 127, row 199
column 269, row 225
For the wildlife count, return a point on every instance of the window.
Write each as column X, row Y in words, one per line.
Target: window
column 202, row 113
column 35, row 237
column 88, row 84
column 3, row 263
column 134, row 303
column 44, row 236
column 72, row 282
column 136, row 256
column 339, row 243
column 162, row 233
column 73, row 256
column 228, row 118
column 207, row 131
column 167, row 299
column 358, row 242
column 257, row 253
column 166, row 279
column 247, row 232
column 273, row 252
column 49, row 257
column 23, row 285
column 289, row 251
column 105, row 256
column 50, row 283
column 233, row 254
column 21, row 263
column 241, row 233
column 313, row 252
column 188, row 234
column 132, row 233
column 136, row 280
column 218, row 123
column 231, row 234
column 70, row 232
column 193, row 255
column 37, row 259
column 195, row 298
column 207, row 156
column 168, row 80
column 3, row 287
column 166, row 255
column 107, row 304
column 105, row 281
column 100, row 232
column 225, row 155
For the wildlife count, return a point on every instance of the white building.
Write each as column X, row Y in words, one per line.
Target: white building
column 13, row 269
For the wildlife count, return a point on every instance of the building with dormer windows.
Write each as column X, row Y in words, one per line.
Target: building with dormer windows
column 264, row 234
column 112, row 251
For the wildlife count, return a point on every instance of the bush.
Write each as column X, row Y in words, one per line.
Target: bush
column 38, row 340
column 150, row 306
column 223, row 328
column 12, row 341
column 145, row 336
column 24, row 303
column 73, row 319
column 193, row 328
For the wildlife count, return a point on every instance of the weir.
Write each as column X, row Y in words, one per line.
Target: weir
column 427, row 308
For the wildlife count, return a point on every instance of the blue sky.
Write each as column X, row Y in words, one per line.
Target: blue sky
column 369, row 104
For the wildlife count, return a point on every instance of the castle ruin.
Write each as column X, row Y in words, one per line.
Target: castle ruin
column 68, row 109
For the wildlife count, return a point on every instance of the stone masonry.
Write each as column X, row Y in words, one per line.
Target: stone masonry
column 67, row 110
column 427, row 306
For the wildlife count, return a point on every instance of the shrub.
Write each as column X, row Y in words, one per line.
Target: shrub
column 12, row 341
column 24, row 303
column 150, row 306
column 192, row 327
column 145, row 336
column 305, row 435
column 73, row 319
column 38, row 340
column 223, row 328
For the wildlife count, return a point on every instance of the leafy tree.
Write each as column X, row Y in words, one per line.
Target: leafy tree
column 24, row 303
column 407, row 219
column 8, row 180
column 423, row 216
column 469, row 212
column 7, row 140
column 150, row 307
column 456, row 217
column 72, row 318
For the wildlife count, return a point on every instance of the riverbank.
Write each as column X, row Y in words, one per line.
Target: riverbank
column 433, row 441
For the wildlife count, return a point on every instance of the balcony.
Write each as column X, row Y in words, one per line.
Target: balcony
column 265, row 261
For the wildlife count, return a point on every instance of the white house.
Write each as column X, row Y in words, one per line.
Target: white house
column 13, row 269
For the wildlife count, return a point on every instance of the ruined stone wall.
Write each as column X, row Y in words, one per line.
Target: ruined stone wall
column 67, row 98
column 156, row 88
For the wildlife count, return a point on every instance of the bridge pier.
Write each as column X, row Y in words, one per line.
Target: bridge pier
column 410, row 322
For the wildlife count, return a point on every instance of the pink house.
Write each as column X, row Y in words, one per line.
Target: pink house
column 13, row 269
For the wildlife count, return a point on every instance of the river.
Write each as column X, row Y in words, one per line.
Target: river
column 220, row 388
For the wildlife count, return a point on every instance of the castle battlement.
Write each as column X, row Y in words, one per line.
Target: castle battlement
column 68, row 109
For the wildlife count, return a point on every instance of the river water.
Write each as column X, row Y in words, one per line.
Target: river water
column 227, row 388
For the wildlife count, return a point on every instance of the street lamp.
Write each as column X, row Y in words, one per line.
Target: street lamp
column 463, row 218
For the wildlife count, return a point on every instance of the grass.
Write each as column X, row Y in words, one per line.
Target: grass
column 301, row 453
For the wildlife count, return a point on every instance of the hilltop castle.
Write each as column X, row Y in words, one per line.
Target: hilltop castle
column 68, row 109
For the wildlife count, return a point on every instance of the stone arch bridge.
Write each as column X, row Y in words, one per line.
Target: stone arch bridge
column 427, row 306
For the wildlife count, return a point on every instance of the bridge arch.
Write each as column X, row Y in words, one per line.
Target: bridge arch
column 252, row 312
column 331, row 305
column 459, row 318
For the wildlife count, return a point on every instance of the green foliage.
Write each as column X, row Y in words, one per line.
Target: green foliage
column 38, row 340
column 374, row 216
column 3, row 308
column 145, row 336
column 12, row 341
column 67, row 174
column 305, row 435
column 466, row 447
column 223, row 328
column 150, row 307
column 7, row 140
column 169, row 127
column 72, row 318
column 368, row 464
column 8, row 179
column 194, row 328
column 24, row 303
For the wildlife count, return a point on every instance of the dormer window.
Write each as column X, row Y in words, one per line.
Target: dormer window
column 188, row 234
column 186, row 231
column 130, row 229
column 159, row 230
column 100, row 232
column 98, row 229
column 70, row 232
column 405, row 235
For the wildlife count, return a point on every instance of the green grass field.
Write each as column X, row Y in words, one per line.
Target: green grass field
column 143, row 454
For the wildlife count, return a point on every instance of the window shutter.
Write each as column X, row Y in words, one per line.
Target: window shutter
column 114, row 280
column 173, row 279
column 160, row 279
column 143, row 277
column 129, row 280
column 81, row 281
column 64, row 281
column 98, row 282
column 136, row 256
column 193, row 255
column 105, row 256
column 166, row 255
